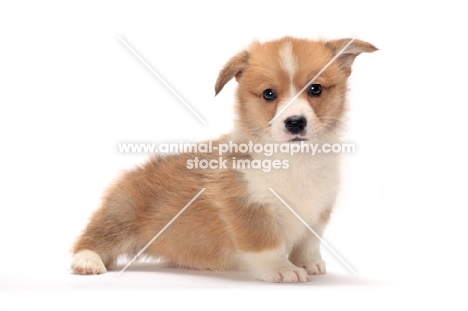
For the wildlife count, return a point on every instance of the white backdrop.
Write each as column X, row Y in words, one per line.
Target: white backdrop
column 70, row 91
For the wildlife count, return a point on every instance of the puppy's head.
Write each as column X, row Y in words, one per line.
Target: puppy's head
column 276, row 100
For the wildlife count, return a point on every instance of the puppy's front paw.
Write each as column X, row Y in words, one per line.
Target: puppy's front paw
column 283, row 275
column 316, row 267
column 87, row 262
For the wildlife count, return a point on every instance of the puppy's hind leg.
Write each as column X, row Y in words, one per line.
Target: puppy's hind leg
column 110, row 233
column 88, row 262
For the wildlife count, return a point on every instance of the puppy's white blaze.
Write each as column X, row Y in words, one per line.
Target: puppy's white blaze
column 300, row 107
column 288, row 60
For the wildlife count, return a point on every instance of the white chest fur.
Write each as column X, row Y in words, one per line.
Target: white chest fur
column 309, row 186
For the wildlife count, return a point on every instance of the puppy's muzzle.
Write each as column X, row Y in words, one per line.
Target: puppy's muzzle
column 295, row 124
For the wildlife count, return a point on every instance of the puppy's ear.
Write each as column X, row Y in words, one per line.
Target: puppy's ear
column 232, row 69
column 346, row 58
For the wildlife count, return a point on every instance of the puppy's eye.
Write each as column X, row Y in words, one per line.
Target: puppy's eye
column 269, row 95
column 315, row 90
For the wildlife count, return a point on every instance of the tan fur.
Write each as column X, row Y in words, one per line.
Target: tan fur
column 229, row 223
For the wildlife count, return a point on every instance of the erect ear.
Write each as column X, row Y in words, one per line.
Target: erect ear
column 346, row 58
column 232, row 69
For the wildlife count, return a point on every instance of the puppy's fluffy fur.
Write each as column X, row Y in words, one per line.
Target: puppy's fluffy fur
column 237, row 223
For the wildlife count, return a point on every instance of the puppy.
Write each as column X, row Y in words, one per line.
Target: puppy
column 238, row 223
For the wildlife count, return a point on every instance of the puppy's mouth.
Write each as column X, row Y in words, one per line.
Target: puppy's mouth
column 297, row 138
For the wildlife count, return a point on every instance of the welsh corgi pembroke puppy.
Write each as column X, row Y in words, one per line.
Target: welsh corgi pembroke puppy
column 241, row 221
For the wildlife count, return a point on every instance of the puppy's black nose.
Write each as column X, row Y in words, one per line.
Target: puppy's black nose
column 295, row 124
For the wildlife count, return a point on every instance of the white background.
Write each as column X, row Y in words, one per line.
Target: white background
column 70, row 91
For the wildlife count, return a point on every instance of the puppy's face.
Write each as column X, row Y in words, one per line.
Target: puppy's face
column 271, row 76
